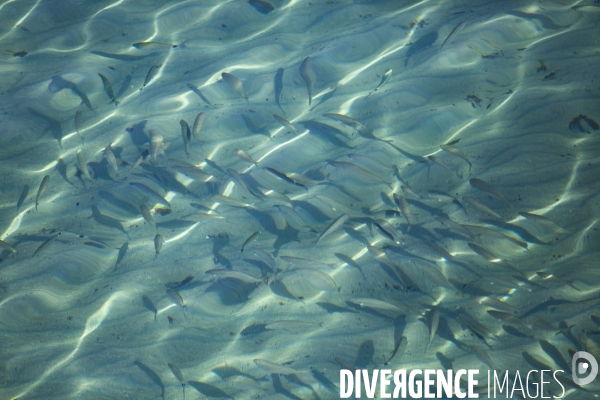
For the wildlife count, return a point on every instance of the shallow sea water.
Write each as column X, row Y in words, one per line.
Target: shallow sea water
column 514, row 86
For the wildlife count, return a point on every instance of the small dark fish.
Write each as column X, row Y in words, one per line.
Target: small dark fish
column 252, row 237
column 149, row 75
column 454, row 32
column 149, row 305
column 23, row 196
column 108, row 89
column 41, row 190
column 158, row 242
column 21, row 53
column 235, row 83
column 386, row 75
column 122, row 57
column 279, row 87
column 175, row 285
column 284, row 177
column 305, row 74
column 179, row 376
column 45, row 245
column 153, row 376
column 122, row 252
column 262, row 6
column 124, row 86
column 199, row 93
column 144, row 45
column 323, row 380
column 186, row 135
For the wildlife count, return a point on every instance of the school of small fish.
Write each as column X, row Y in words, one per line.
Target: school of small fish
column 239, row 199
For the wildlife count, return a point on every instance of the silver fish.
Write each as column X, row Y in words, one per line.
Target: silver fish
column 108, row 89
column 111, row 159
column 319, row 280
column 273, row 368
column 480, row 207
column 488, row 255
column 335, row 225
column 245, row 156
column 284, row 122
column 158, row 243
column 178, row 375
column 45, row 245
column 402, row 205
column 157, row 198
column 494, row 303
column 156, row 142
column 439, row 162
column 176, row 297
column 228, row 273
column 41, row 190
column 235, row 83
column 544, row 222
column 376, row 304
column 357, row 170
column 150, row 75
column 486, row 187
column 305, row 73
column 282, row 176
column 199, row 93
column 82, row 165
column 146, row 214
column 456, row 152
column 239, row 181
column 190, row 170
column 7, row 246
column 546, row 275
column 433, row 321
column 198, row 122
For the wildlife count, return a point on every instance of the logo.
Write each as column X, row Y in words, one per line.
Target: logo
column 581, row 367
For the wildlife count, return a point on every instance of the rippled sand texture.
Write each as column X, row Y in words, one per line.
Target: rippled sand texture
column 513, row 87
